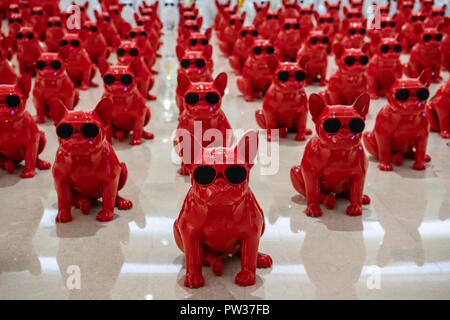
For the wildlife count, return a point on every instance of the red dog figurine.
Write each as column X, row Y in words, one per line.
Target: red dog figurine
column 288, row 40
column 79, row 66
column 20, row 138
column 352, row 35
column 7, row 72
column 28, row 50
column 196, row 65
column 197, row 40
column 401, row 127
column 129, row 112
column 261, row 12
column 231, row 32
column 438, row 111
column 220, row 214
column 334, row 162
column 291, row 9
column 306, row 20
column 325, row 23
column 333, row 10
column 386, row 57
column 52, row 81
column 411, row 30
column 115, row 12
column 242, row 46
column 436, row 17
column 350, row 80
column 256, row 75
column 107, row 28
column 94, row 42
column 201, row 103
column 139, row 35
column 270, row 27
column 285, row 102
column 313, row 57
column 426, row 54
column 38, row 20
column 86, row 167
column 54, row 33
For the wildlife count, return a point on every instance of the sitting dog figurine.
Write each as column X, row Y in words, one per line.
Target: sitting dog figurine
column 139, row 35
column 256, row 76
column 306, row 20
column 231, row 32
column 86, row 167
column 386, row 57
column 334, row 162
column 20, row 137
column 242, row 46
column 201, row 103
column 52, row 81
column 261, row 12
column 288, row 40
column 401, row 126
column 8, row 74
column 352, row 35
column 313, row 57
column 350, row 80
column 411, row 30
column 79, row 66
column 129, row 112
column 28, row 50
column 107, row 28
column 94, row 42
column 197, row 40
column 54, row 33
column 220, row 214
column 270, row 27
column 285, row 103
column 426, row 54
column 438, row 111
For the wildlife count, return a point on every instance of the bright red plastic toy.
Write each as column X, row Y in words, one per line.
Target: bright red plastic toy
column 334, row 162
column 256, row 75
column 386, row 56
column 196, row 65
column 86, row 167
column 436, row 17
column 325, row 23
column 54, row 33
column 260, row 12
column 313, row 57
column 352, row 35
column 242, row 46
column 220, row 214
column 350, row 80
column 28, row 50
column 94, row 42
column 221, row 21
column 291, row 9
column 79, row 66
column 333, row 9
column 353, row 15
column 129, row 112
column 186, row 28
column 288, row 40
column 438, row 111
column 115, row 12
column 231, row 32
column 15, row 22
column 411, row 30
column 404, row 12
column 52, row 81
column 401, row 127
column 107, row 28
column 20, row 137
column 38, row 20
column 7, row 71
column 426, row 54
column 201, row 103
column 270, row 27
column 197, row 40
column 285, row 104
column 306, row 20
column 139, row 35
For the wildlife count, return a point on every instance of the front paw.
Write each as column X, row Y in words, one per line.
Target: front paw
column 313, row 210
column 27, row 173
column 43, row 165
column 105, row 215
column 354, row 210
column 63, row 216
column 194, row 280
column 84, row 87
column 135, row 141
column 445, row 134
column 300, row 137
column 249, row 98
column 385, row 166
column 419, row 165
column 263, row 260
column 245, row 278
column 123, row 204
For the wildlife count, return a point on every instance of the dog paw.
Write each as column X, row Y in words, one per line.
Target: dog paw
column 63, row 216
column 123, row 204
column 105, row 215
column 43, row 165
column 27, row 174
column 245, row 278
column 385, row 166
column 313, row 211
column 419, row 165
column 263, row 260
column 194, row 280
column 354, row 210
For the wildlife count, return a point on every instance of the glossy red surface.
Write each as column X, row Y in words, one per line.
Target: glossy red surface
column 94, row 42
column 231, row 32
column 411, row 30
column 260, row 13
column 87, row 169
column 221, row 218
column 28, row 50
column 270, row 26
column 107, row 28
column 401, row 127
column 313, row 57
column 242, row 46
column 54, row 33
column 288, row 40
column 438, row 111
column 333, row 164
column 7, row 70
column 115, row 12
column 20, row 137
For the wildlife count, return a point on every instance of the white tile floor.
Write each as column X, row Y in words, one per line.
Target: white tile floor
column 403, row 236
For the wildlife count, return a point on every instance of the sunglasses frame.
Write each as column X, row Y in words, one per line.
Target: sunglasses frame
column 222, row 170
column 79, row 129
column 196, row 62
column 200, row 97
column 117, row 78
column 48, row 64
column 8, row 97
column 409, row 94
column 347, row 124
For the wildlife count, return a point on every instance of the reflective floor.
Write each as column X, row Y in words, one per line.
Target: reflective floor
column 398, row 249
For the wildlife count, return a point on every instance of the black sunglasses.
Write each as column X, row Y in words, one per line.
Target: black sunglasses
column 18, row 20
column 88, row 130
column 234, row 174
column 169, row 4
column 126, row 78
column 12, row 100
column 408, row 6
column 75, row 43
column 403, row 94
column 194, row 27
column 384, row 24
column 287, row 26
column 133, row 34
column 385, row 48
column 314, row 40
column 258, row 50
column 436, row 13
column 284, row 76
column 199, row 63
column 270, row 16
column 233, row 21
column 414, row 18
column 106, row 18
column 55, row 64
column 133, row 52
column 253, row 33
column 352, row 31
column 306, row 12
column 322, row 20
column 29, row 35
column 192, row 98
column 428, row 37
column 203, row 41
column 189, row 18
column 332, row 125
column 350, row 60
column 356, row 15
column 37, row 12
column 92, row 28
column 56, row 24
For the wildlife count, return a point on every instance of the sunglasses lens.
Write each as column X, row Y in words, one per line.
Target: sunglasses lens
column 212, row 98
column 356, row 125
column 200, row 63
column 75, row 43
column 235, row 174
column 255, row 33
column 300, row 75
column 94, row 29
column 362, row 31
column 89, row 130
column 243, row 33
column 287, row 26
column 63, row 43
column 106, row 18
column 313, row 40
column 204, row 175
column 132, row 34
column 364, row 60
column 384, row 48
column 49, row 24
column 195, row 28
column 397, row 48
column 19, row 35
column 58, row 24
column 120, row 52
column 192, row 42
column 270, row 50
column 283, row 76
column 55, row 64
column 351, row 31
column 402, row 94
column 422, row 94
column 331, row 125
column 191, row 98
column 427, row 37
column 64, row 131
column 134, row 52
column 204, row 42
column 257, row 50
column 108, row 79
column 438, row 37
column 126, row 79
column 324, row 40
column 349, row 60
column 40, row 64
column 185, row 63
column 12, row 101
column 30, row 35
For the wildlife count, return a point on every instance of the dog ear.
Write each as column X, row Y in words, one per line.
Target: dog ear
column 316, row 16
column 103, row 65
column 103, row 110
column 221, row 82
column 425, row 77
column 136, row 17
column 199, row 22
column 208, row 33
column 362, row 104
column 180, row 52
column 96, row 14
column 327, row 4
column 247, row 147
column 365, row 48
column 387, row 79
column 345, row 9
column 243, row 15
column 207, row 51
column 183, row 84
column 316, row 106
column 57, row 109
column 338, row 50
